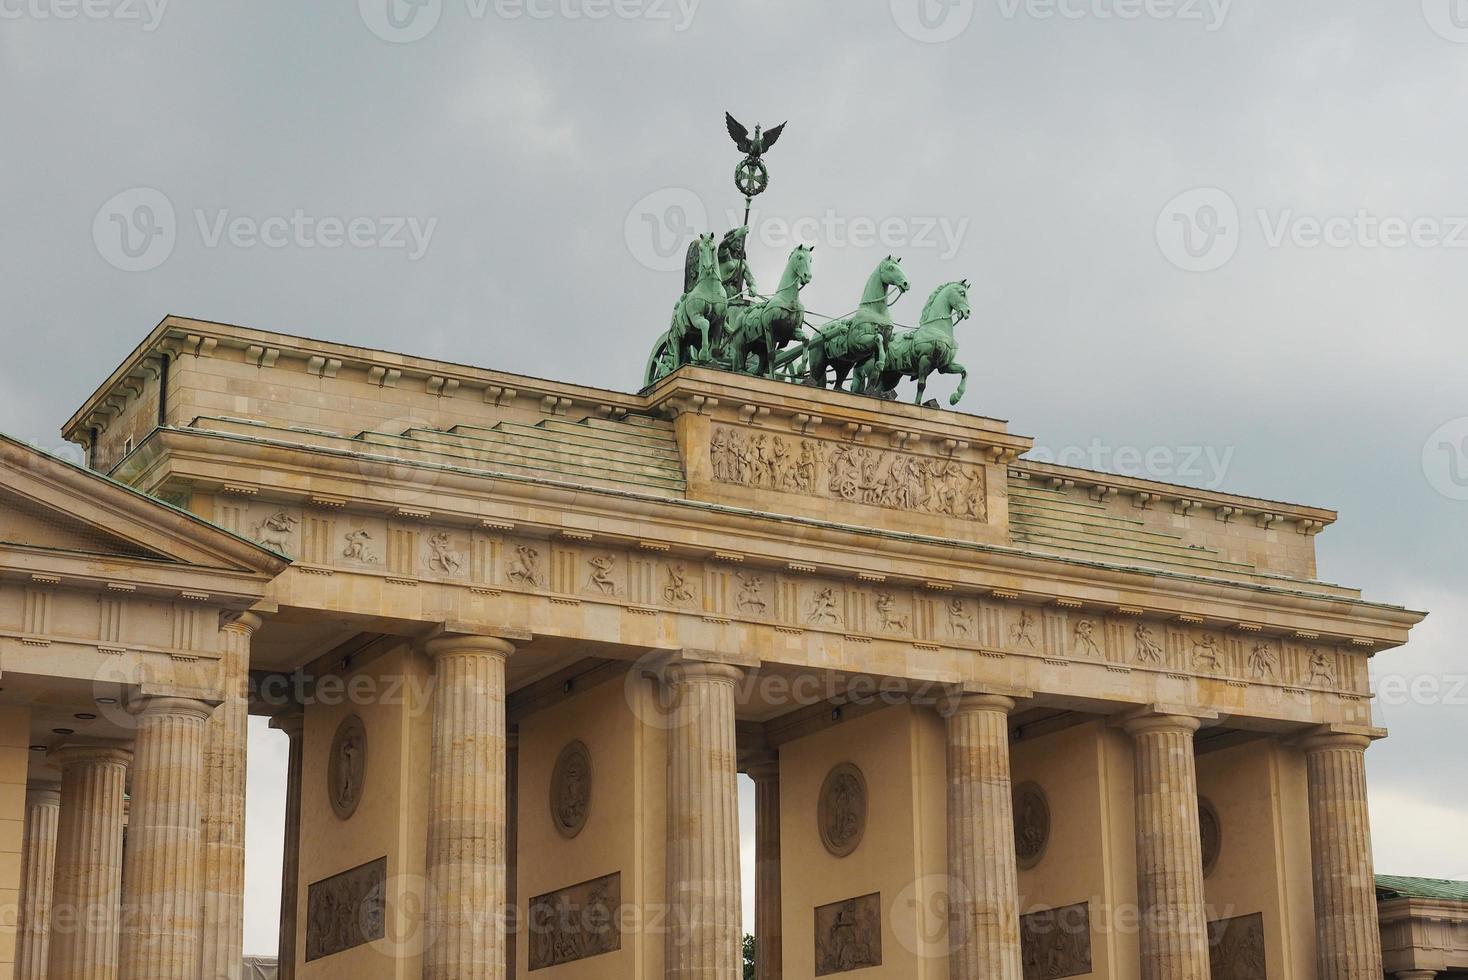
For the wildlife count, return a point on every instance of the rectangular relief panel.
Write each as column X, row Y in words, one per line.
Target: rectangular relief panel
column 1236, row 948
column 1056, row 943
column 346, row 910
column 849, row 935
column 576, row 923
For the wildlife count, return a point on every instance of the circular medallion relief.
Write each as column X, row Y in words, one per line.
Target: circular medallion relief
column 1210, row 832
column 570, row 790
column 347, row 769
column 843, row 809
column 1031, row 824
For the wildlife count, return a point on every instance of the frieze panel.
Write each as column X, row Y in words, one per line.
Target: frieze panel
column 855, row 474
column 576, row 923
column 1237, row 950
column 1056, row 943
column 849, row 935
column 346, row 911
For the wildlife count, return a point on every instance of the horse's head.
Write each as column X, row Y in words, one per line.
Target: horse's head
column 891, row 274
column 958, row 299
column 948, row 299
column 708, row 255
column 800, row 264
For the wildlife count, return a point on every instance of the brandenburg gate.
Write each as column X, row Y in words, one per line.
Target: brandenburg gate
column 1004, row 718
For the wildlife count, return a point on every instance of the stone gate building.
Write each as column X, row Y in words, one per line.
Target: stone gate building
column 1004, row 719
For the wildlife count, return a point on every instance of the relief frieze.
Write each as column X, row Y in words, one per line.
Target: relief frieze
column 346, row 910
column 855, row 474
column 1056, row 943
column 849, row 935
column 576, row 923
column 1237, row 950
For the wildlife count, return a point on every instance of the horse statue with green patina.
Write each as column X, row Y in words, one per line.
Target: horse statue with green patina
column 859, row 342
column 698, row 317
column 928, row 349
column 763, row 329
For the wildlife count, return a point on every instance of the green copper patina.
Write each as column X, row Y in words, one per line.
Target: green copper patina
column 763, row 329
column 858, row 343
column 721, row 320
column 929, row 348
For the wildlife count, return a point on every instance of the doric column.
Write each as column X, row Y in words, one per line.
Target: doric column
column 703, row 824
column 983, row 926
column 512, row 846
column 163, row 875
column 1415, row 975
column 87, row 889
column 290, row 864
column 1174, row 921
column 466, row 811
column 764, row 769
column 1348, row 937
column 226, row 737
column 37, row 866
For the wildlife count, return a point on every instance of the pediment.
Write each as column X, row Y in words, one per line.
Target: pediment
column 51, row 504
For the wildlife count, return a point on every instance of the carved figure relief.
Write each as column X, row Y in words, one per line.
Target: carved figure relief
column 751, row 597
column 575, row 923
column 1031, row 824
column 821, row 610
column 849, row 935
column 1207, row 654
column 960, row 619
column 276, row 531
column 360, row 547
column 1322, row 669
column 346, row 910
column 891, row 621
column 601, row 579
column 442, row 556
column 1237, row 950
column 857, row 474
column 1210, row 831
column 1085, row 637
column 1056, row 943
column 1023, row 631
column 842, row 809
column 524, row 567
column 1263, row 661
column 346, row 771
column 1149, row 651
column 677, row 591
column 570, row 801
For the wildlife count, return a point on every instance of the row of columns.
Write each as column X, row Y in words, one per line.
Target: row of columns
column 169, row 906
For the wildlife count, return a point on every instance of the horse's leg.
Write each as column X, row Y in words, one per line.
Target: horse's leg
column 953, row 367
column 924, row 368
column 702, row 322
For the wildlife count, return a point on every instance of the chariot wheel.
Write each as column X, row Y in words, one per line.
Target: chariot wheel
column 662, row 362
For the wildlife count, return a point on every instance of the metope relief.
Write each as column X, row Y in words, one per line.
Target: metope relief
column 842, row 810
column 601, row 577
column 346, row 910
column 677, row 589
column 1056, row 943
column 361, row 547
column 751, row 599
column 443, row 556
column 855, row 474
column 524, row 568
column 575, row 923
column 849, row 935
column 1237, row 950
column 570, row 802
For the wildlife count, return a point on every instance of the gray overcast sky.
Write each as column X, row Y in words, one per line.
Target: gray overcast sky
column 547, row 157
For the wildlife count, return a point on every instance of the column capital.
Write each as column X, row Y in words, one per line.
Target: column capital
column 467, row 644
column 1328, row 738
column 247, row 623
column 43, row 793
column 80, row 753
column 293, row 723
column 762, row 765
column 1159, row 719
column 157, row 705
column 967, row 702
